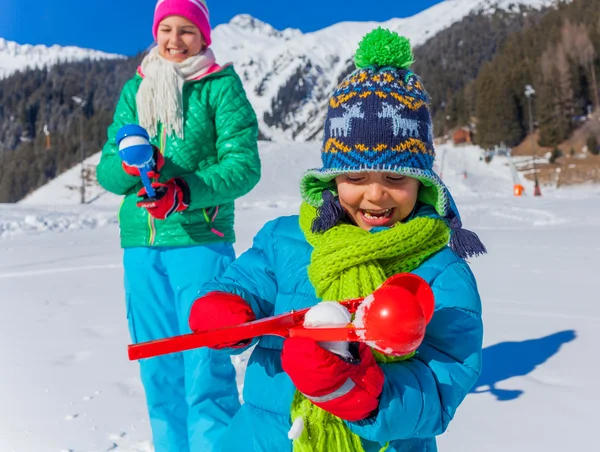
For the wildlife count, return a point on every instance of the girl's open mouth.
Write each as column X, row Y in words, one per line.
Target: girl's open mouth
column 177, row 52
column 377, row 217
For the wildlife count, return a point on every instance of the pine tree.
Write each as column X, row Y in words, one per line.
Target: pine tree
column 556, row 108
column 498, row 111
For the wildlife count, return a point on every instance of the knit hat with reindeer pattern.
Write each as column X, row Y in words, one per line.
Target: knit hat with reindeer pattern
column 379, row 120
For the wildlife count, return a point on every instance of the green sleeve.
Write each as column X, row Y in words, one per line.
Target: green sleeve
column 110, row 172
column 238, row 167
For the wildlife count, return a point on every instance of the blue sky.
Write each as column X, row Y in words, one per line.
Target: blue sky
column 124, row 26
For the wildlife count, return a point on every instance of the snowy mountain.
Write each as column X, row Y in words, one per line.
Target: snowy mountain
column 15, row 57
column 288, row 75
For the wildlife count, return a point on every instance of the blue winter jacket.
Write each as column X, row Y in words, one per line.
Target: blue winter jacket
column 420, row 395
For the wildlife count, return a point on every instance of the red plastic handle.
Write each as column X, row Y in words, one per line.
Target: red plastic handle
column 279, row 325
column 331, row 334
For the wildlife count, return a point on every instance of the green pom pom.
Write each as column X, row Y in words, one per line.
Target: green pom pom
column 382, row 47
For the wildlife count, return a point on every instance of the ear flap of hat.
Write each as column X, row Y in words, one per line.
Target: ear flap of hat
column 428, row 194
column 312, row 187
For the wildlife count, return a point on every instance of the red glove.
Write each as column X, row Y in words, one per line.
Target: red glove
column 218, row 310
column 159, row 162
column 348, row 390
column 172, row 196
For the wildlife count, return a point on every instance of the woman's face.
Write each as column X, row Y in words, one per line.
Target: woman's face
column 178, row 39
column 377, row 199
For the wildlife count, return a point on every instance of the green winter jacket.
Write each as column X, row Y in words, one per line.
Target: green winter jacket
column 218, row 159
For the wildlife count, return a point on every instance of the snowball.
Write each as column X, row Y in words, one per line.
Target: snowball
column 329, row 314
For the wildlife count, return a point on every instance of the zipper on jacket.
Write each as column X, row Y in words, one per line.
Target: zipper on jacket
column 163, row 140
column 152, row 230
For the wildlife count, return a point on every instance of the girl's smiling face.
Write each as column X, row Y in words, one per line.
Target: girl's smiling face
column 178, row 39
column 377, row 199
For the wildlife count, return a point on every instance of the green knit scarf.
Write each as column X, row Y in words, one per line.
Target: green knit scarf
column 348, row 262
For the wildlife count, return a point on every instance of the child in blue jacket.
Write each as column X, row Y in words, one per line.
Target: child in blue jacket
column 375, row 209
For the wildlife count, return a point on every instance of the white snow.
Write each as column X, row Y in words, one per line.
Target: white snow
column 297, row 428
column 329, row 314
column 360, row 326
column 16, row 57
column 67, row 384
column 359, row 315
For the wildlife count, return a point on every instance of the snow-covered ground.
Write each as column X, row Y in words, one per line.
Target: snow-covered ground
column 66, row 383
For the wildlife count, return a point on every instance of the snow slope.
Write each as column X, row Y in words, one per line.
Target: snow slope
column 66, row 383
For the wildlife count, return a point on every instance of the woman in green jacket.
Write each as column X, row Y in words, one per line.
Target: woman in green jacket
column 205, row 135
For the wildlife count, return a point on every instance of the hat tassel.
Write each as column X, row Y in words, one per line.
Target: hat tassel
column 329, row 214
column 466, row 243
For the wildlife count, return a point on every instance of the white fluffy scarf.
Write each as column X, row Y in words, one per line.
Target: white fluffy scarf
column 159, row 98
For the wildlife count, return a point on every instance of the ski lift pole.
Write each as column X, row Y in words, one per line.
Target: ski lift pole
column 529, row 93
column 517, row 186
column 442, row 160
column 47, row 133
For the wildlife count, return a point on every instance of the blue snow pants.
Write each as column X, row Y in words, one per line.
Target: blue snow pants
column 191, row 396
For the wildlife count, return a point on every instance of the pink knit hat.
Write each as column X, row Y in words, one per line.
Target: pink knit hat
column 195, row 11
